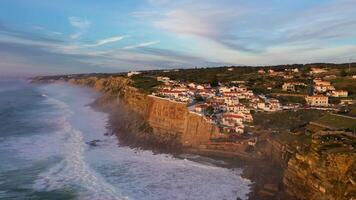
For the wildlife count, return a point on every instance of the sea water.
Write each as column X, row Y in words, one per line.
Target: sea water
column 45, row 153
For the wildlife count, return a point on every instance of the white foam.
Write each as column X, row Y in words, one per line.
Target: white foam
column 111, row 172
column 73, row 170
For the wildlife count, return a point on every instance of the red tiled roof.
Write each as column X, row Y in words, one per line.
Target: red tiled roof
column 170, row 91
column 232, row 116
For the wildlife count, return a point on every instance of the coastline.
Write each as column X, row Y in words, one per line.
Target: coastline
column 125, row 103
column 266, row 176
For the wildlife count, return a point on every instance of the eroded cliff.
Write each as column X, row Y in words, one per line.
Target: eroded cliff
column 327, row 171
column 166, row 118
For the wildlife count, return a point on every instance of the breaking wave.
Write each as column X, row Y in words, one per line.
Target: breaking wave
column 61, row 158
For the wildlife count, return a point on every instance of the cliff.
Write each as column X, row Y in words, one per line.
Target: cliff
column 327, row 171
column 166, row 118
column 321, row 172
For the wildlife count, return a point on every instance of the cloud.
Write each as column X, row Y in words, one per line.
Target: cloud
column 82, row 26
column 159, row 2
column 38, row 27
column 214, row 22
column 145, row 44
column 253, row 28
column 143, row 14
column 106, row 41
column 45, row 30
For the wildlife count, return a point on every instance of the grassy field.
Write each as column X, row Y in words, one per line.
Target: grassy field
column 145, row 83
column 290, row 99
column 286, row 120
column 337, row 122
column 346, row 83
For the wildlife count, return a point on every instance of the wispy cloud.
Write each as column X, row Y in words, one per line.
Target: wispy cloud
column 106, row 41
column 253, row 28
column 145, row 44
column 82, row 26
column 45, row 30
column 143, row 14
column 38, row 27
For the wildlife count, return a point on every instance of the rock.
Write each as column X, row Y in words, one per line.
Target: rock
column 271, row 187
column 93, row 143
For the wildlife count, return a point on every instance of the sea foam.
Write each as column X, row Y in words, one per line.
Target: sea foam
column 109, row 171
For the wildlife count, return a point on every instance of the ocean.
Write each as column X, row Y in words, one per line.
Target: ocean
column 45, row 153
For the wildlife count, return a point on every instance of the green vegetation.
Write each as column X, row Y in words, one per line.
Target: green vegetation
column 291, row 139
column 291, row 99
column 145, row 83
column 352, row 111
column 286, row 120
column 337, row 122
column 345, row 83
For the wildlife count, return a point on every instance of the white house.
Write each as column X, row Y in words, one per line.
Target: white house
column 339, row 93
column 317, row 100
column 231, row 119
column 132, row 73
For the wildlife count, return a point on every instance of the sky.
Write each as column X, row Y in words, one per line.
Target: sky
column 80, row 36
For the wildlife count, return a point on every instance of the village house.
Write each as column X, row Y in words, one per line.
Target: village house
column 231, row 100
column 290, row 87
column 241, row 108
column 288, row 76
column 273, row 73
column 321, row 86
column 317, row 100
column 232, row 122
column 180, row 89
column 315, row 70
column 200, row 87
column 163, row 79
column 339, row 93
column 347, row 101
column 129, row 74
column 206, row 93
column 261, row 105
column 261, row 71
column 224, row 89
column 192, row 85
column 201, row 108
column 169, row 93
column 294, row 70
column 231, row 119
column 269, row 105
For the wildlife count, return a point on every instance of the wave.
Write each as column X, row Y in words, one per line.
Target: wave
column 107, row 171
column 73, row 171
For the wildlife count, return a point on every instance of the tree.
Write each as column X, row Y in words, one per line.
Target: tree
column 343, row 73
column 214, row 82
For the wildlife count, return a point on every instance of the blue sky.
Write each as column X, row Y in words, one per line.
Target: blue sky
column 71, row 36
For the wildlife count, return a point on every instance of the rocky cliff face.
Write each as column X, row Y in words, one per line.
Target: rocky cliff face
column 165, row 117
column 324, row 172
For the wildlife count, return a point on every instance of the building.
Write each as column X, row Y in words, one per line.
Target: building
column 231, row 119
column 315, row 70
column 290, row 87
column 201, row 108
column 163, row 79
column 321, row 86
column 192, row 85
column 132, row 73
column 347, row 101
column 339, row 93
column 317, row 100
column 261, row 71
